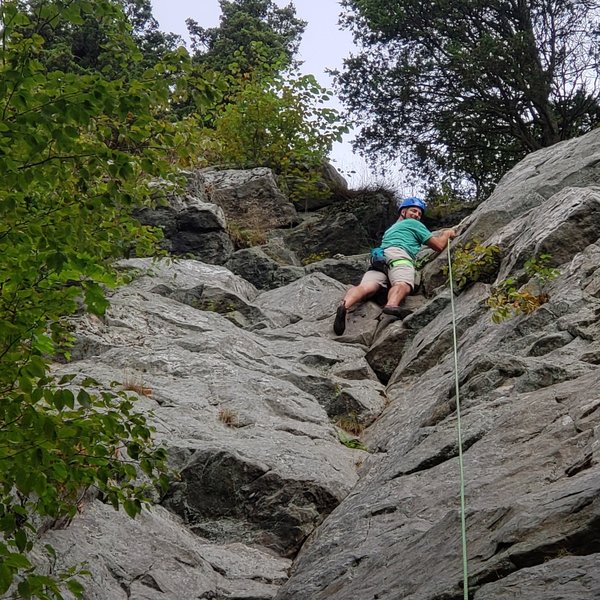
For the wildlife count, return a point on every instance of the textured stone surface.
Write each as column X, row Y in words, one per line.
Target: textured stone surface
column 154, row 557
column 244, row 416
column 250, row 197
column 351, row 227
column 540, row 175
column 529, row 406
column 247, row 399
column 257, row 267
column 191, row 227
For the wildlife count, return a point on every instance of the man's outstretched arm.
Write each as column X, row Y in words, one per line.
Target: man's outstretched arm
column 439, row 240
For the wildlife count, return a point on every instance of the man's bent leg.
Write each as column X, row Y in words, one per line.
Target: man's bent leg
column 397, row 293
column 355, row 294
column 361, row 292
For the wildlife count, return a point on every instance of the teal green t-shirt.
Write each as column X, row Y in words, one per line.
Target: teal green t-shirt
column 408, row 234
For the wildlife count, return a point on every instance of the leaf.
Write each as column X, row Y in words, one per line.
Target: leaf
column 21, row 540
column 17, row 561
column 132, row 507
column 84, row 398
column 5, row 577
column 75, row 587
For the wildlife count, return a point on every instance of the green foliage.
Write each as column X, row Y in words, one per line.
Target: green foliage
column 244, row 23
column 508, row 299
column 277, row 122
column 538, row 268
column 462, row 90
column 350, row 441
column 315, row 257
column 103, row 42
column 473, row 262
column 77, row 152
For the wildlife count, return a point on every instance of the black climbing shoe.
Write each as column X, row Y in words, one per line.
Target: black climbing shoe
column 397, row 311
column 339, row 325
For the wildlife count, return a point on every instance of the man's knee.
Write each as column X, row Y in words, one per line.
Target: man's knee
column 402, row 285
column 370, row 288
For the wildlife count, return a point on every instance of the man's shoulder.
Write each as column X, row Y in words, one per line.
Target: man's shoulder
column 410, row 225
column 417, row 226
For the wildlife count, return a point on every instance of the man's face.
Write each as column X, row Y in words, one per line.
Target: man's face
column 412, row 212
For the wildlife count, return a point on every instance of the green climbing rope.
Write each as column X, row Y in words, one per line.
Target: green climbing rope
column 463, row 526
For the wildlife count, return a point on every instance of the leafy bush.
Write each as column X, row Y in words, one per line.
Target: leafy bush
column 509, row 300
column 77, row 152
column 473, row 262
column 278, row 122
column 539, row 269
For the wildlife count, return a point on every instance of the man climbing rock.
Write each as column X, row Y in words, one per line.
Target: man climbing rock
column 401, row 243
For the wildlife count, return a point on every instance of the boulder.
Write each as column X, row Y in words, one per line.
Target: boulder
column 191, row 227
column 250, row 197
column 257, row 267
column 348, row 227
column 539, row 176
column 332, row 187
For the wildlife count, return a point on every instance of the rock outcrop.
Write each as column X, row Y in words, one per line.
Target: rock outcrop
column 253, row 396
column 240, row 219
column 529, row 402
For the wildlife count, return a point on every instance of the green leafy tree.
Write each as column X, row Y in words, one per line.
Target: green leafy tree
column 244, row 22
column 276, row 121
column 464, row 89
column 77, row 152
column 89, row 42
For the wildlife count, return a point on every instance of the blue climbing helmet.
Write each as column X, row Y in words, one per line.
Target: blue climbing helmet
column 412, row 201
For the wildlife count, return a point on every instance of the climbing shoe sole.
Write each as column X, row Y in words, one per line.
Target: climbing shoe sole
column 339, row 325
column 397, row 311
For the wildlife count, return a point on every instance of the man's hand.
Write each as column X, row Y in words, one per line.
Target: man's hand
column 439, row 240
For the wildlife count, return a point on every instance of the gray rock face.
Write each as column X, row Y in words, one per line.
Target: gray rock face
column 251, row 390
column 155, row 557
column 250, row 196
column 348, row 269
column 191, row 227
column 244, row 416
column 351, row 227
column 332, row 185
column 256, row 266
column 528, row 405
column 540, row 175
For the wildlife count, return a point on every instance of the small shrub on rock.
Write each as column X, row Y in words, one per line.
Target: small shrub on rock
column 508, row 300
column 472, row 262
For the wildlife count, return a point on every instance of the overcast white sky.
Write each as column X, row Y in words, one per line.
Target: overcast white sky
column 324, row 45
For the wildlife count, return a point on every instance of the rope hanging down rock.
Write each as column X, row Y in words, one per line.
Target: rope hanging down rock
column 463, row 527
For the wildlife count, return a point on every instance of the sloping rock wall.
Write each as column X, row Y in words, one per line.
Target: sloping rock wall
column 529, row 400
column 247, row 418
column 248, row 386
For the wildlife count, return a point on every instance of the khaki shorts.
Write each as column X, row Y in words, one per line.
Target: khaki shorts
column 402, row 273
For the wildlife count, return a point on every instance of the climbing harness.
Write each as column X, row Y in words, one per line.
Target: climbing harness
column 378, row 262
column 399, row 261
column 463, row 527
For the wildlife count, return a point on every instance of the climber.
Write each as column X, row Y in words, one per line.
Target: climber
column 400, row 242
